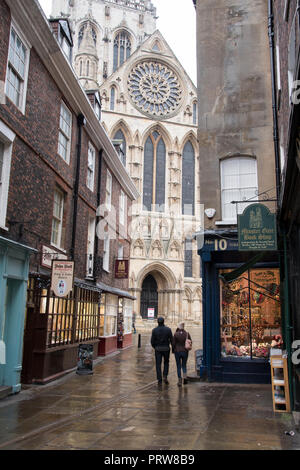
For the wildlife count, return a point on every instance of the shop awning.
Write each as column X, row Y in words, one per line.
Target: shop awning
column 115, row 291
column 229, row 277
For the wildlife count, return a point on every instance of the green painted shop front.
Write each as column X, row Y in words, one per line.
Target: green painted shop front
column 14, row 268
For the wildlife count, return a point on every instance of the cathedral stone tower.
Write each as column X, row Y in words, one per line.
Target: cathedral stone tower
column 149, row 105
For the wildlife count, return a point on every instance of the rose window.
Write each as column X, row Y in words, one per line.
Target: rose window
column 154, row 88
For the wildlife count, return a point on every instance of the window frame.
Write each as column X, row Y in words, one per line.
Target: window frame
column 238, row 158
column 59, row 245
column 90, row 179
column 108, row 190
column 64, row 107
column 91, row 245
column 122, row 208
column 10, row 66
column 7, row 137
column 106, row 253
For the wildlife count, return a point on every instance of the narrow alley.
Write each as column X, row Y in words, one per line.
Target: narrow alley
column 120, row 407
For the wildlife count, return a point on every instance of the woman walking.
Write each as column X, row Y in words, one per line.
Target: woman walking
column 181, row 353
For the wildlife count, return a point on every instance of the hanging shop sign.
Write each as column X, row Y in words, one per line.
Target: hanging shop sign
column 121, row 269
column 62, row 278
column 48, row 255
column 257, row 229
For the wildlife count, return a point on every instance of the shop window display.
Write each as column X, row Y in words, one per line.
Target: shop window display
column 250, row 314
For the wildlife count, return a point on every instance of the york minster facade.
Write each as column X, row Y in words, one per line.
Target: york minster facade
column 149, row 110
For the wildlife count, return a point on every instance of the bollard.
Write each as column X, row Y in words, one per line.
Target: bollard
column 139, row 343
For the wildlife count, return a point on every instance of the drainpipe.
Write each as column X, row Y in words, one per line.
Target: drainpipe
column 80, row 123
column 274, row 98
column 98, row 205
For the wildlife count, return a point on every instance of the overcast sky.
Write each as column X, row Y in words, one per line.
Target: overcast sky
column 177, row 23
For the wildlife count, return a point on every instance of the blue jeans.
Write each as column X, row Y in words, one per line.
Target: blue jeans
column 181, row 360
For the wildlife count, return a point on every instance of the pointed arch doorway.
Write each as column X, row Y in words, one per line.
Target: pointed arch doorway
column 149, row 296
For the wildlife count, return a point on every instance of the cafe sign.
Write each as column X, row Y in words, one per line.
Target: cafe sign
column 257, row 229
column 62, row 278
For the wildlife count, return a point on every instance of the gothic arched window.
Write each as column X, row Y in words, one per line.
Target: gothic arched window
column 188, row 179
column 120, row 136
column 154, row 173
column 195, row 113
column 122, row 49
column 112, row 98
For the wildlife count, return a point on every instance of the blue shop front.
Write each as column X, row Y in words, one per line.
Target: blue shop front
column 14, row 268
column 242, row 316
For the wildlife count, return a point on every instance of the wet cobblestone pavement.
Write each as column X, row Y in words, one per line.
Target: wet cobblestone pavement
column 120, row 407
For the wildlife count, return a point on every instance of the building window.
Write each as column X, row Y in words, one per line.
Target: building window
column 108, row 190
column 122, row 210
column 91, row 167
column 98, row 110
column 57, row 219
column 292, row 57
column 7, row 138
column 91, row 246
column 122, row 49
column 154, row 173
column 111, row 313
column 106, row 253
column 17, row 70
column 188, row 258
column 65, row 130
column 80, row 68
column 112, row 98
column 87, row 68
column 121, row 252
column 250, row 314
column 195, row 113
column 188, row 180
column 120, row 139
column 238, row 183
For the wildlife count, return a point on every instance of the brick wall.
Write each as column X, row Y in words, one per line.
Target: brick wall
column 282, row 30
column 36, row 168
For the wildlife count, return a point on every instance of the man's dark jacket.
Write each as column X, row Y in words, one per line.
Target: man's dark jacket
column 161, row 338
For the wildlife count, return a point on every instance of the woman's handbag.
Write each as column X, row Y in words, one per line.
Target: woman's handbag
column 188, row 343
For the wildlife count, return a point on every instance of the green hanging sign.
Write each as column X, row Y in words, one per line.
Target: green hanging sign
column 257, row 229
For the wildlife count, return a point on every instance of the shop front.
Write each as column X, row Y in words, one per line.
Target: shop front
column 14, row 267
column 241, row 310
column 115, row 321
column 55, row 326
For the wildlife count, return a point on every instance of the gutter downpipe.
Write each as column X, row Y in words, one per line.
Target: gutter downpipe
column 80, row 124
column 281, row 229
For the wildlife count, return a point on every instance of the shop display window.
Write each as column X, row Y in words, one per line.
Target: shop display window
column 127, row 311
column 111, row 313
column 250, row 313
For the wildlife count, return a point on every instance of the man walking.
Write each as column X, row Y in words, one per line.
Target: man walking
column 161, row 340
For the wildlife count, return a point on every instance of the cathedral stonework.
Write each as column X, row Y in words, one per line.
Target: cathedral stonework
column 149, row 107
column 154, row 88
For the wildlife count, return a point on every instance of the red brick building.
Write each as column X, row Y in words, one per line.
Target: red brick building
column 65, row 194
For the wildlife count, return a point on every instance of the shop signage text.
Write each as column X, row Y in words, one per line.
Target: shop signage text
column 62, row 278
column 121, row 269
column 49, row 254
column 257, row 229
